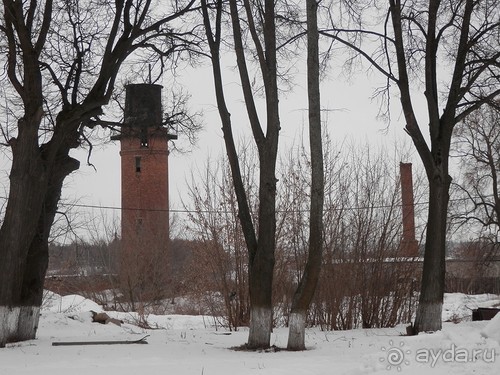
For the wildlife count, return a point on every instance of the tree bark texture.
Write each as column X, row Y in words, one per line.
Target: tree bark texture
column 428, row 316
column 307, row 285
column 261, row 319
column 296, row 330
column 28, row 181
column 38, row 254
column 34, row 195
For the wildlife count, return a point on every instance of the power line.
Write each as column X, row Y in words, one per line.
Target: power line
column 192, row 211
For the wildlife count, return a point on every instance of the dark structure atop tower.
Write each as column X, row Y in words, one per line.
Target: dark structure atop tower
column 143, row 114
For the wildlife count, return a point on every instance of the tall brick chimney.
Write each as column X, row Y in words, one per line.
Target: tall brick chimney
column 144, row 183
column 409, row 244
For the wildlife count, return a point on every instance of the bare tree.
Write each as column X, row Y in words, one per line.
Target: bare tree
column 63, row 60
column 260, row 237
column 412, row 46
column 221, row 261
column 477, row 145
column 270, row 27
column 307, row 284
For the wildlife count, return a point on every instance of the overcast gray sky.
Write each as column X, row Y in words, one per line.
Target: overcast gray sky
column 350, row 112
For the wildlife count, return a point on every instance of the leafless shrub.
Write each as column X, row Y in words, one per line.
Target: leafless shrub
column 219, row 266
column 364, row 282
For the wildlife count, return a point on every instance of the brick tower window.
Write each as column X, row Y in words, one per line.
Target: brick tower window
column 138, row 225
column 138, row 164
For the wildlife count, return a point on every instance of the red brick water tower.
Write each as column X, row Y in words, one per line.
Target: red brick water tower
column 144, row 182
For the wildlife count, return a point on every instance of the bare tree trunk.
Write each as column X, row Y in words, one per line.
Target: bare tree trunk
column 428, row 317
column 38, row 254
column 261, row 322
column 27, row 186
column 27, row 227
column 307, row 285
column 261, row 267
column 260, row 281
column 12, row 271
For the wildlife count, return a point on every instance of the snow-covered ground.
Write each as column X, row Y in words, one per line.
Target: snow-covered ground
column 191, row 345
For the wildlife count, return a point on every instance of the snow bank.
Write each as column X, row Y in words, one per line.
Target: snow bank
column 459, row 306
column 192, row 345
column 70, row 304
column 79, row 308
column 492, row 329
column 182, row 322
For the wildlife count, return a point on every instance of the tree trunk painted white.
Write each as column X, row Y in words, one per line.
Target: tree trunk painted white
column 28, row 322
column 18, row 323
column 261, row 321
column 307, row 284
column 9, row 318
column 297, row 331
column 429, row 317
